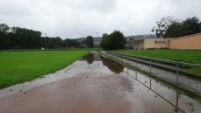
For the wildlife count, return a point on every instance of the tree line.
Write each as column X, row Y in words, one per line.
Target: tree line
column 18, row 38
column 23, row 38
column 168, row 27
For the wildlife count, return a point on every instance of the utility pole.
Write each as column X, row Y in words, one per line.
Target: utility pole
column 97, row 49
column 45, row 41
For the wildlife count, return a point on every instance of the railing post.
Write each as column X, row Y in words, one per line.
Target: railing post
column 177, row 72
column 150, row 65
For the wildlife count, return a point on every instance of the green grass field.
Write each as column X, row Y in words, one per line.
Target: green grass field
column 20, row 66
column 190, row 56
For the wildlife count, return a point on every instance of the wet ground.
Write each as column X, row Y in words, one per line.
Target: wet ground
column 94, row 84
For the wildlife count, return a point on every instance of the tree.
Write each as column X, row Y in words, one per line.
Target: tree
column 168, row 27
column 55, row 43
column 26, row 38
column 4, row 39
column 113, row 41
column 193, row 25
column 162, row 26
column 175, row 29
column 67, row 43
column 117, row 40
column 4, row 28
column 83, row 44
column 74, row 43
column 90, row 41
column 104, row 41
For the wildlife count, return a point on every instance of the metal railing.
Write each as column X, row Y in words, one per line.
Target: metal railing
column 163, row 63
column 166, row 70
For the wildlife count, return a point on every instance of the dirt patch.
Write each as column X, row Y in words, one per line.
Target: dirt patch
column 82, row 93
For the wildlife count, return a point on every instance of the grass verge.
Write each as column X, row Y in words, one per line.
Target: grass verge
column 190, row 56
column 20, row 66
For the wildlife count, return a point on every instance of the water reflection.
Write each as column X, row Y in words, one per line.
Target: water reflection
column 112, row 65
column 182, row 102
column 173, row 96
column 89, row 58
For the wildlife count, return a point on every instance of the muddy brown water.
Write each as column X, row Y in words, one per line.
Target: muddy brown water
column 95, row 84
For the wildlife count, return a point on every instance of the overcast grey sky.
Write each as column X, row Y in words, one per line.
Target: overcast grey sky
column 80, row 18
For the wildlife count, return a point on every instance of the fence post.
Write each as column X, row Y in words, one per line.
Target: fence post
column 177, row 72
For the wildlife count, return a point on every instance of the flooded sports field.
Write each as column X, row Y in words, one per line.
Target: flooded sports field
column 95, row 84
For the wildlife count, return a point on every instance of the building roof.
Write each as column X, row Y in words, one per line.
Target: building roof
column 141, row 36
column 185, row 36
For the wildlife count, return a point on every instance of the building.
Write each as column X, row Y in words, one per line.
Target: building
column 150, row 43
column 186, row 42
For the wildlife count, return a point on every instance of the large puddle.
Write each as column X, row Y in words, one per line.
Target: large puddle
column 95, row 84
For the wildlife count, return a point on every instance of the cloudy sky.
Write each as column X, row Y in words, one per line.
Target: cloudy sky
column 80, row 18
